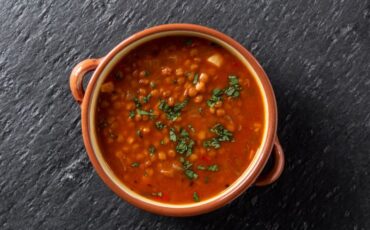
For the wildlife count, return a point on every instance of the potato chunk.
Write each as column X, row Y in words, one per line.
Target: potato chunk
column 215, row 59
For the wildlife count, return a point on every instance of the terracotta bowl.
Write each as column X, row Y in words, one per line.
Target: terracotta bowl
column 88, row 101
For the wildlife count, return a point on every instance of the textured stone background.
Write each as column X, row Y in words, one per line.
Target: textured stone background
column 316, row 53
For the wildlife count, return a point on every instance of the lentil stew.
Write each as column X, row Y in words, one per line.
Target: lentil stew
column 179, row 119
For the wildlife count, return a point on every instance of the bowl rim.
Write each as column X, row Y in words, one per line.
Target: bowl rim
column 248, row 179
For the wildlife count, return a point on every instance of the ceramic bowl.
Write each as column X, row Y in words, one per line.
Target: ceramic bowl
column 88, row 101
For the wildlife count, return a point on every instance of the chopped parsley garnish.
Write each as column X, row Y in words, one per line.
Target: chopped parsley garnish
column 213, row 168
column 216, row 97
column 185, row 145
column 131, row 114
column 191, row 128
column 135, row 164
column 139, row 133
column 173, row 135
column 187, row 166
column 182, row 159
column 213, row 142
column 233, row 90
column 179, row 106
column 159, row 125
column 223, row 135
column 184, row 133
column 172, row 112
column 152, row 150
column 146, row 113
column 196, row 78
column 162, row 142
column 137, row 102
column 190, row 174
column 201, row 167
column 147, row 98
column 184, row 142
column 196, row 197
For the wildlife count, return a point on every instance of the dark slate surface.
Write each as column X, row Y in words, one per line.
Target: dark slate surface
column 316, row 53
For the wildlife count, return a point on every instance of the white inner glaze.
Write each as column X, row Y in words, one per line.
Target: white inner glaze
column 93, row 103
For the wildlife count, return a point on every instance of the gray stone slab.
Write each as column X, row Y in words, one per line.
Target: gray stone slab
column 316, row 53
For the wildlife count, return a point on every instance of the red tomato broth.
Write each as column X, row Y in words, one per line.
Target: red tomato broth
column 166, row 68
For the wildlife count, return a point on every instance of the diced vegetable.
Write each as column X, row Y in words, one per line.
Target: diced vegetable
column 216, row 59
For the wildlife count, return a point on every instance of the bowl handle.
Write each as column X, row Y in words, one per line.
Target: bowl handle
column 77, row 76
column 276, row 171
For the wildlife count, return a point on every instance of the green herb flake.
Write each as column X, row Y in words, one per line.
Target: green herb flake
column 162, row 142
column 184, row 143
column 184, row 133
column 191, row 128
column 159, row 125
column 187, row 164
column 216, row 97
column 190, row 174
column 135, row 164
column 172, row 112
column 213, row 168
column 213, row 142
column 201, row 167
column 139, row 133
column 179, row 106
column 152, row 150
column 233, row 90
column 181, row 146
column 196, row 78
column 131, row 114
column 196, row 197
column 146, row 113
column 147, row 98
column 137, row 102
column 189, row 150
column 222, row 135
column 172, row 134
